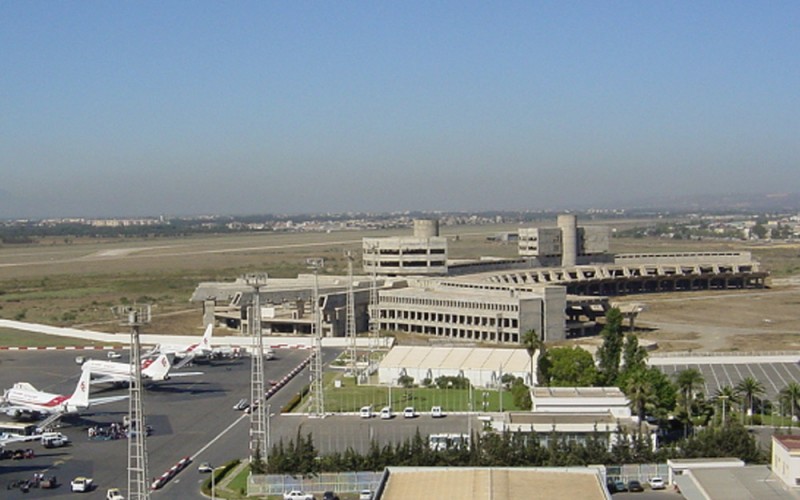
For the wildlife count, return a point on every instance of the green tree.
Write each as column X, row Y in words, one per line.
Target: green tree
column 749, row 388
column 790, row 398
column 689, row 381
column 634, row 356
column 569, row 367
column 640, row 393
column 533, row 343
column 608, row 355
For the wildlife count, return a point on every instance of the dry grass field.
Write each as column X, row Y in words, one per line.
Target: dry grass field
column 76, row 283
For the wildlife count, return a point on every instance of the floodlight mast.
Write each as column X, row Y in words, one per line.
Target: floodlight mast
column 258, row 434
column 318, row 401
column 135, row 316
column 351, row 317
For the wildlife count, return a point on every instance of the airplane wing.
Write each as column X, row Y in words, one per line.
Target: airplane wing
column 15, row 438
column 183, row 362
column 185, row 374
column 106, row 400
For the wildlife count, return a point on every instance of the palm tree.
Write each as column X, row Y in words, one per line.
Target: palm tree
column 790, row 398
column 640, row 392
column 532, row 344
column 750, row 388
column 689, row 381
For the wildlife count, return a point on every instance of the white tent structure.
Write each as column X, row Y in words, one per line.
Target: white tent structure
column 482, row 366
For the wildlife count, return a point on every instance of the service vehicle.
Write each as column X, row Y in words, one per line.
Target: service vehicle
column 242, row 404
column 409, row 412
column 205, row 467
column 114, row 494
column 386, row 413
column 366, row 412
column 297, row 495
column 81, row 484
column 436, row 412
column 54, row 440
column 114, row 355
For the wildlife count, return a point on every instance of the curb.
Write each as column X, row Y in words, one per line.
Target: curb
column 62, row 348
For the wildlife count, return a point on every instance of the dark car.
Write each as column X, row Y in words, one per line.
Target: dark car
column 635, row 486
column 620, row 486
column 329, row 495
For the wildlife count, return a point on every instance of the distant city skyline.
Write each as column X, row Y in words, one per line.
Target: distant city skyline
column 140, row 109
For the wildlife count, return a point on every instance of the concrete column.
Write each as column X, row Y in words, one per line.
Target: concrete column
column 568, row 224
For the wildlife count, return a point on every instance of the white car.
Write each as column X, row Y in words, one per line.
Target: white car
column 657, row 483
column 409, row 412
column 436, row 412
column 114, row 494
column 365, row 495
column 205, row 467
column 81, row 484
column 366, row 412
column 114, row 355
column 386, row 413
column 297, row 495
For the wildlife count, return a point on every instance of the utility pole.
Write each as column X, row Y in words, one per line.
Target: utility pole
column 318, row 402
column 374, row 321
column 138, row 488
column 258, row 434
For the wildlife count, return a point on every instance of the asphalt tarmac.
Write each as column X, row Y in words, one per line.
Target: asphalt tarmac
column 191, row 417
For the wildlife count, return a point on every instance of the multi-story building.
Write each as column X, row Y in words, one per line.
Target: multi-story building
column 565, row 245
column 424, row 254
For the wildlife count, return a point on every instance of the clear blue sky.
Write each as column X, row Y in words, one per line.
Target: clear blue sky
column 188, row 107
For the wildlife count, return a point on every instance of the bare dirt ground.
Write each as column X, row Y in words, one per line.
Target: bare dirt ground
column 740, row 320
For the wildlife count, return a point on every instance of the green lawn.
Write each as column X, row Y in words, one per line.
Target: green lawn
column 350, row 397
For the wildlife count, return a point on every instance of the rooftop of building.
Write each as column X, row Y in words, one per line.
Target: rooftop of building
column 788, row 441
column 736, row 483
column 577, row 392
column 457, row 358
column 493, row 483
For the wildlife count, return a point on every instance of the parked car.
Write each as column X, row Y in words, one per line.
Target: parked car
column 657, row 483
column 386, row 413
column 205, row 467
column 81, row 484
column 635, row 485
column 620, row 486
column 366, row 412
column 436, row 412
column 409, row 412
column 297, row 495
column 329, row 495
column 365, row 495
column 114, row 355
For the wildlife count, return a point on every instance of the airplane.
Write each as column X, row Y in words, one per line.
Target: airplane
column 188, row 352
column 24, row 399
column 153, row 369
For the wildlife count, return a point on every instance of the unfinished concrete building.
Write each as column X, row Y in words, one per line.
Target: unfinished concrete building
column 423, row 254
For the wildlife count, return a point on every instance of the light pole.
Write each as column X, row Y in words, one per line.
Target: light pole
column 723, row 398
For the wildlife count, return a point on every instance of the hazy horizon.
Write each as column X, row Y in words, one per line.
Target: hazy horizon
column 133, row 109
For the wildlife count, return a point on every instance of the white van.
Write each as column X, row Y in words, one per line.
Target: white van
column 386, row 413
column 366, row 412
column 54, row 440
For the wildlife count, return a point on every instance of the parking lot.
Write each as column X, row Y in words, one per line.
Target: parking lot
column 774, row 376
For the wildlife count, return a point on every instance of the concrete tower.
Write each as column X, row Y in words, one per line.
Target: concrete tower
column 426, row 228
column 568, row 224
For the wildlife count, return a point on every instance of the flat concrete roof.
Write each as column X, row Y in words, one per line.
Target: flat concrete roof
column 754, row 482
column 457, row 358
column 577, row 392
column 493, row 483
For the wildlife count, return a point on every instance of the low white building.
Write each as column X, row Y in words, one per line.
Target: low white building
column 483, row 367
column 581, row 400
column 786, row 459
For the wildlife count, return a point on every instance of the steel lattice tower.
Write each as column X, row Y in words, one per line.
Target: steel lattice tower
column 258, row 433
column 138, row 476
column 317, row 397
column 374, row 321
column 351, row 317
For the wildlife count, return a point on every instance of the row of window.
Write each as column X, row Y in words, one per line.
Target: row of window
column 451, row 303
column 459, row 319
